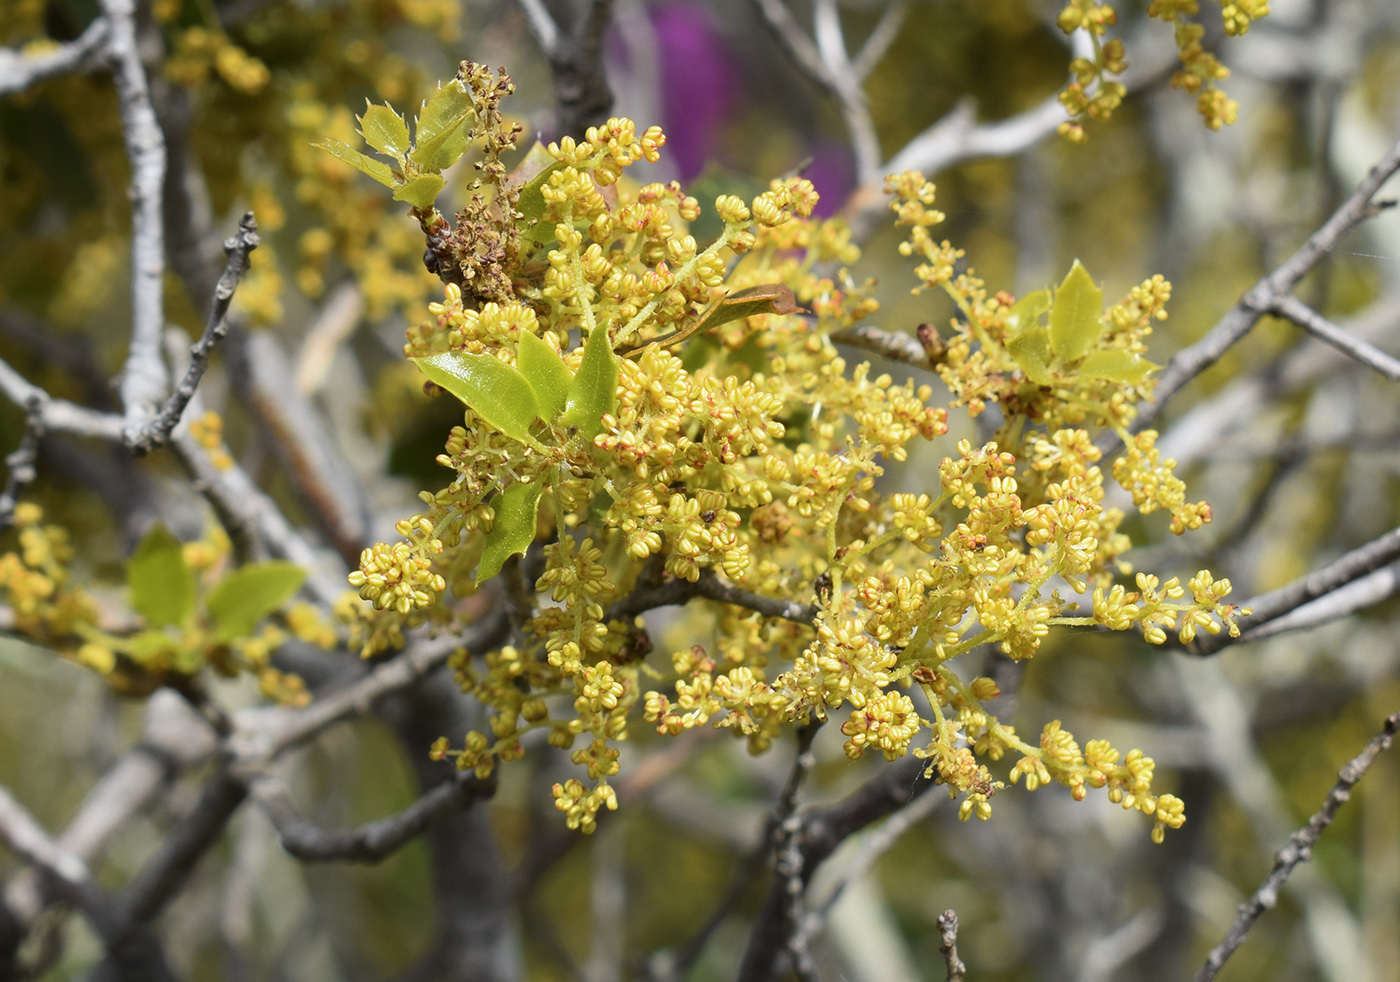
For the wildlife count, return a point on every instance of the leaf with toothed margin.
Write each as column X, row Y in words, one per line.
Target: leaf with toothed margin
column 421, row 191
column 363, row 163
column 1075, row 314
column 594, row 390
column 442, row 130
column 513, row 529
column 546, row 373
column 384, row 130
column 494, row 390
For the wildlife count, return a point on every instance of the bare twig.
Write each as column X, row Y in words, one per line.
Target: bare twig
column 19, row 463
column 1324, row 330
column 1268, row 292
column 144, row 378
column 1352, row 566
column 156, row 431
column 948, row 945
column 894, row 345
column 18, row 72
column 23, row 834
column 1298, row 850
column 880, row 38
column 372, row 841
column 59, row 415
column 711, row 587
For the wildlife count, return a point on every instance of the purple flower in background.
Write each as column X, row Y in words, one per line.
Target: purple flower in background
column 699, row 83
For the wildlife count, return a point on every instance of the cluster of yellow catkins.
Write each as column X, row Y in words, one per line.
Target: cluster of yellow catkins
column 753, row 455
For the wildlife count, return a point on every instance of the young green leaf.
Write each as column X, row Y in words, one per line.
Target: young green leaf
column 384, row 130
column 594, row 390
column 495, row 391
column 249, row 594
column 546, row 373
column 530, row 203
column 1026, row 311
column 1031, row 351
column 1074, row 315
column 1116, row 365
column 376, row 169
column 513, row 529
column 162, row 585
column 421, row 191
column 441, row 133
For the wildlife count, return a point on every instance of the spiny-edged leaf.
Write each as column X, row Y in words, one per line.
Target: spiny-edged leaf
column 421, row 191
column 1074, row 316
column 441, row 132
column 162, row 585
column 1031, row 350
column 1116, row 365
column 546, row 373
column 594, row 390
column 513, row 530
column 249, row 594
column 376, row 169
column 531, row 202
column 772, row 298
column 384, row 130
column 496, row 392
column 1026, row 311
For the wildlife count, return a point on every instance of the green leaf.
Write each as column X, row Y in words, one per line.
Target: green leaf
column 376, row 169
column 384, row 130
column 546, row 373
column 441, row 132
column 162, row 585
column 530, row 203
column 249, row 594
column 421, row 191
column 1074, row 316
column 1116, row 365
column 772, row 298
column 1026, row 312
column 495, row 391
column 1031, row 351
column 513, row 530
column 594, row 391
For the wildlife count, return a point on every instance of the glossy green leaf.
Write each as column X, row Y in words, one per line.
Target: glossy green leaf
column 594, row 390
column 376, row 169
column 771, row 298
column 384, row 130
column 162, row 585
column 421, row 191
column 512, row 531
column 1026, row 312
column 249, row 594
column 1075, row 313
column 494, row 390
column 441, row 132
column 530, row 204
column 1116, row 365
column 1031, row 351
column 546, row 373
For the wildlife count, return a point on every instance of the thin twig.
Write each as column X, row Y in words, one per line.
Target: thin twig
column 1324, row 330
column 238, row 247
column 948, row 945
column 1298, row 850
column 711, row 587
column 1352, row 566
column 894, row 345
column 881, row 37
column 59, row 415
column 19, row 463
column 144, row 378
column 26, row 837
column 1269, row 291
column 372, row 841
column 18, row 72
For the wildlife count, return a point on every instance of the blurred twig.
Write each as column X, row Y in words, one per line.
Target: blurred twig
column 18, row 72
column 19, row 463
column 1298, row 850
column 581, row 88
column 948, row 945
